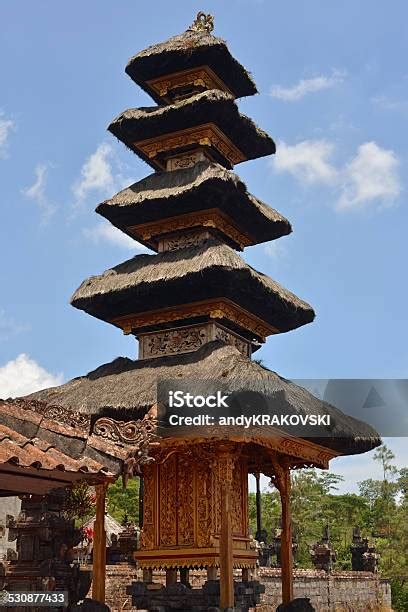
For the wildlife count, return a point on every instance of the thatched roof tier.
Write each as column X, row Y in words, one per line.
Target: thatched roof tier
column 189, row 190
column 174, row 278
column 139, row 127
column 191, row 49
column 126, row 389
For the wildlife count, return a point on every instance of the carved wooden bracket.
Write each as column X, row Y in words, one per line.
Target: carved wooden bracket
column 140, row 436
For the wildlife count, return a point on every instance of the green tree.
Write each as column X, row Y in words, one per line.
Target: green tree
column 124, row 501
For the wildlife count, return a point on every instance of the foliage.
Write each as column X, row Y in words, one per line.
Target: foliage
column 123, row 502
column 79, row 502
column 380, row 509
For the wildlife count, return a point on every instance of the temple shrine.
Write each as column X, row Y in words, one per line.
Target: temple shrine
column 198, row 311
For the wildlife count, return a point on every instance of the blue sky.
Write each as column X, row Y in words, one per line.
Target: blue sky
column 333, row 88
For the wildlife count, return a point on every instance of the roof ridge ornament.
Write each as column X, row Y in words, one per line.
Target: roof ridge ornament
column 204, row 22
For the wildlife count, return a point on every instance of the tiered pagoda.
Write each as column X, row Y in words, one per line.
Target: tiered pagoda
column 198, row 311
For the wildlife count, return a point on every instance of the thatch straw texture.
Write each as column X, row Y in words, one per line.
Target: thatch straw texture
column 190, row 50
column 212, row 106
column 205, row 185
column 125, row 389
column 171, row 278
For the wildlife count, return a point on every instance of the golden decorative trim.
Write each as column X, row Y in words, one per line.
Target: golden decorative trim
column 212, row 218
column 298, row 451
column 206, row 135
column 192, row 559
column 202, row 77
column 221, row 308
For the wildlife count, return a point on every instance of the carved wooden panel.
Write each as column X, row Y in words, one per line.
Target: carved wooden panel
column 168, row 502
column 149, row 532
column 183, row 240
column 185, row 501
column 187, row 339
column 186, row 160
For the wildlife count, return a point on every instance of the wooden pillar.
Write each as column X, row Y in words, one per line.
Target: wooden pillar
column 99, row 546
column 258, row 504
column 141, row 500
column 171, row 576
column 226, row 554
column 286, row 538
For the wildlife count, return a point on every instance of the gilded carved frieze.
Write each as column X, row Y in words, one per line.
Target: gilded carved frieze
column 171, row 86
column 212, row 218
column 187, row 339
column 216, row 309
column 206, row 135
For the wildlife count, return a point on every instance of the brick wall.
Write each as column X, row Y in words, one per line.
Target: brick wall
column 338, row 592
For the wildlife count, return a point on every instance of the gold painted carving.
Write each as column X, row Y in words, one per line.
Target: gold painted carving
column 202, row 78
column 221, row 308
column 208, row 135
column 212, row 218
column 204, row 22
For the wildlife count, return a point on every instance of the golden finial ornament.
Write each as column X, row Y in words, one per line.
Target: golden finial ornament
column 204, row 22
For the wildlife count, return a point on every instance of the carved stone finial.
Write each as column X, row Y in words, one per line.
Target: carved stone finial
column 203, row 23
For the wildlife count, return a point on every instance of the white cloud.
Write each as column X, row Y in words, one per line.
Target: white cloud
column 308, row 161
column 306, row 86
column 371, row 176
column 105, row 232
column 9, row 326
column 37, row 191
column 6, row 126
column 390, row 104
column 100, row 173
column 23, row 375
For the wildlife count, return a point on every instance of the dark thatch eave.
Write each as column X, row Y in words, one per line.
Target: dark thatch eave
column 126, row 389
column 213, row 106
column 203, row 186
column 211, row 270
column 190, row 50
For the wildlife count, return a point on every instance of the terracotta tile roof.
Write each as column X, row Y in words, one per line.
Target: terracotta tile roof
column 23, row 451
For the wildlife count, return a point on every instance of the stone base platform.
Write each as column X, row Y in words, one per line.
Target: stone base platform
column 337, row 592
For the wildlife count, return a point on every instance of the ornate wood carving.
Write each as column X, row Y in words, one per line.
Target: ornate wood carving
column 149, row 532
column 184, row 485
column 60, row 414
column 188, row 339
column 186, row 160
column 139, row 435
column 183, row 239
column 172, row 341
column 205, row 135
column 195, row 79
column 168, row 502
column 221, row 308
column 210, row 218
column 185, row 502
